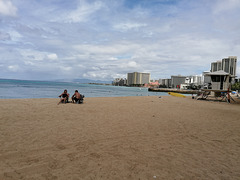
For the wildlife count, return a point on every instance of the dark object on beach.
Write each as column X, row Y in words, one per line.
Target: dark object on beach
column 192, row 96
column 80, row 101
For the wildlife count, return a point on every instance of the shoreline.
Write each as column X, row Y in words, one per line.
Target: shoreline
column 137, row 137
column 187, row 96
column 173, row 90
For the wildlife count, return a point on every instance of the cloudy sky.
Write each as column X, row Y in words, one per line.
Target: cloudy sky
column 106, row 39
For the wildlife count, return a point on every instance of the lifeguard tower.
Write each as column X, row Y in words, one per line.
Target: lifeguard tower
column 219, row 87
column 220, row 80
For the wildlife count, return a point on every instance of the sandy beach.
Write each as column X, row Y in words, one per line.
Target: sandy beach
column 119, row 138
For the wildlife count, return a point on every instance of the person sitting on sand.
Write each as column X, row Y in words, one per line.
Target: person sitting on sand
column 76, row 96
column 64, row 96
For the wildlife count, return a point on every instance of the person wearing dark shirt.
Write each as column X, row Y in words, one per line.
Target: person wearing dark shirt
column 64, row 96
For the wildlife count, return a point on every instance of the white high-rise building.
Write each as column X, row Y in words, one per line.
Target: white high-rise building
column 216, row 66
column 137, row 78
column 229, row 65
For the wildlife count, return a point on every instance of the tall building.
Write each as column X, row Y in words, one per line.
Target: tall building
column 137, row 79
column 216, row 66
column 229, row 65
column 176, row 81
column 166, row 82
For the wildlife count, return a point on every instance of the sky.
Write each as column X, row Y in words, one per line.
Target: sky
column 106, row 39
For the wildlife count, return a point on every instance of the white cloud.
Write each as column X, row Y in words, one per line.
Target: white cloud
column 95, row 68
column 115, row 49
column 52, row 56
column 83, row 11
column 13, row 68
column 226, row 5
column 65, row 68
column 29, row 63
column 96, row 74
column 15, row 36
column 113, row 58
column 128, row 26
column 34, row 55
column 7, row 8
column 132, row 64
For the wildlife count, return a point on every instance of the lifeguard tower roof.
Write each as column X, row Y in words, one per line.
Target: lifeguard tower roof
column 221, row 73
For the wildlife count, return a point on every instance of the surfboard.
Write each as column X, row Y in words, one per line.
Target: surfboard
column 176, row 94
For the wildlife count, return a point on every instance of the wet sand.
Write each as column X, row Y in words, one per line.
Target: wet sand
column 119, row 138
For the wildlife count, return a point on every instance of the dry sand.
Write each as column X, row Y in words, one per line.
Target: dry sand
column 119, row 138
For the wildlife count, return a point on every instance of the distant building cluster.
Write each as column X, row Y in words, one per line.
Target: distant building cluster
column 120, row 82
column 133, row 79
column 227, row 65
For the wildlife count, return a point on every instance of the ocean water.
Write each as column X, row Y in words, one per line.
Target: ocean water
column 18, row 89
